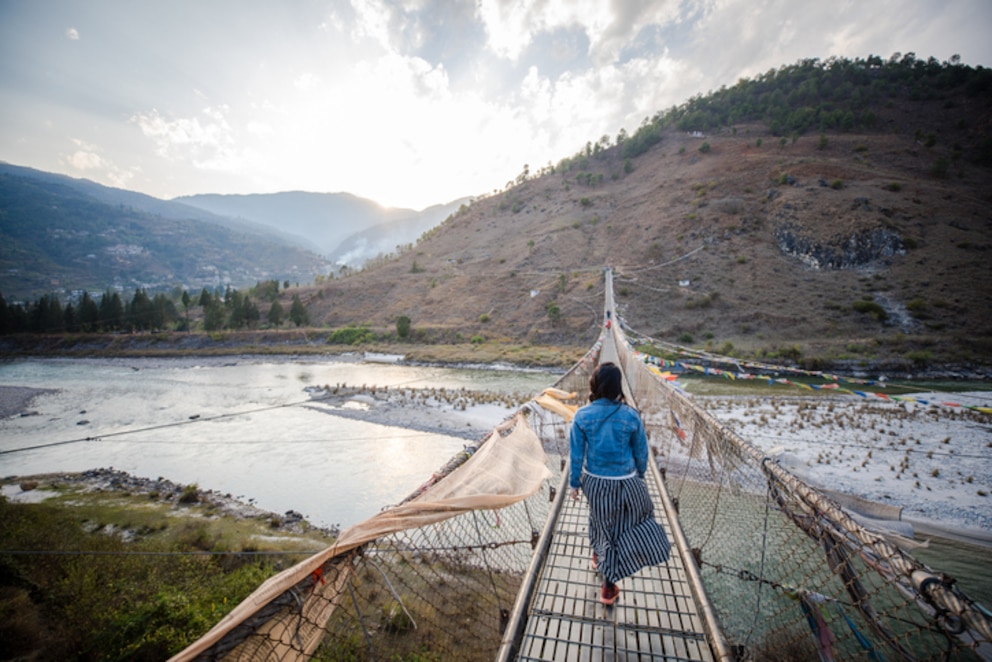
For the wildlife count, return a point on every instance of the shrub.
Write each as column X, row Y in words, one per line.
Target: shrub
column 793, row 353
column 553, row 311
column 484, row 317
column 704, row 148
column 351, row 335
column 871, row 308
column 403, row 326
column 703, row 302
column 190, row 494
column 685, row 337
column 939, row 168
column 837, row 184
column 918, row 308
column 895, row 187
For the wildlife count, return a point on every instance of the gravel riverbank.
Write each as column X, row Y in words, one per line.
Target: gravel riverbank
column 16, row 400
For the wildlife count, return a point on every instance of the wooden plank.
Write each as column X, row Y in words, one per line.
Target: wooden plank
column 654, row 619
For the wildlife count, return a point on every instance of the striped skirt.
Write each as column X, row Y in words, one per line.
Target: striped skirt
column 622, row 528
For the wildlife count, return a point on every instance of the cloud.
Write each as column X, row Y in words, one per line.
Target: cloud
column 86, row 159
column 371, row 21
column 411, row 102
column 305, row 81
column 81, row 160
column 609, row 26
column 206, row 141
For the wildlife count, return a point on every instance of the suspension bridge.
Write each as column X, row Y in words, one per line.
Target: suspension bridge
column 489, row 559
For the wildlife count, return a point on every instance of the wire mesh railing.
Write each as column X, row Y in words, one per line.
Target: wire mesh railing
column 789, row 574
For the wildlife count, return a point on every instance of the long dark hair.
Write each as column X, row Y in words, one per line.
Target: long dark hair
column 606, row 382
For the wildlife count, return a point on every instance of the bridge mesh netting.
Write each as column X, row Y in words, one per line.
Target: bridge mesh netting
column 789, row 574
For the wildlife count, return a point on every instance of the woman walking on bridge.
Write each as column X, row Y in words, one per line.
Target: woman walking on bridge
column 609, row 455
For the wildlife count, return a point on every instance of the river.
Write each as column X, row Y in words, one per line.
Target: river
column 236, row 425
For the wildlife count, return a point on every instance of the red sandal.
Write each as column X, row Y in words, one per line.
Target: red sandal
column 610, row 593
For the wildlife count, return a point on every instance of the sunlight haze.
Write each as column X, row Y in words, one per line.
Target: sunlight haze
column 408, row 103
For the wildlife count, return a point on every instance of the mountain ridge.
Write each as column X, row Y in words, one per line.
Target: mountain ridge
column 731, row 226
column 57, row 236
column 322, row 222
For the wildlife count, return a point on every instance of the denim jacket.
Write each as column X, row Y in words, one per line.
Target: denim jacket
column 607, row 439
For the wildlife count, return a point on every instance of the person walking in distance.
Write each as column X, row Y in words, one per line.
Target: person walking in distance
column 609, row 455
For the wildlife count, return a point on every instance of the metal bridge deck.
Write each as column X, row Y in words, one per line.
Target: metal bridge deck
column 655, row 617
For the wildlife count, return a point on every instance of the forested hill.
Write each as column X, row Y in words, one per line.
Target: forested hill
column 55, row 238
column 832, row 210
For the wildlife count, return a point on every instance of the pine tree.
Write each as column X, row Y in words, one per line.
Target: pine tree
column 298, row 312
column 276, row 314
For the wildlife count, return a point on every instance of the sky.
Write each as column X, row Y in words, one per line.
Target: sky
column 406, row 102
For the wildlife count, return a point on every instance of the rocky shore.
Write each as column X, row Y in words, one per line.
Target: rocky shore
column 33, row 488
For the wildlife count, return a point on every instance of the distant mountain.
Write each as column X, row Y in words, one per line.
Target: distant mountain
column 385, row 238
column 59, row 234
column 321, row 222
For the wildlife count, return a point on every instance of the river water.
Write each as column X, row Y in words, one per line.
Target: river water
column 240, row 426
column 254, row 435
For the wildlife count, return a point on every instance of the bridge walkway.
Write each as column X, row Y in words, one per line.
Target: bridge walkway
column 655, row 618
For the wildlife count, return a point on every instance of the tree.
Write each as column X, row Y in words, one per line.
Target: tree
column 298, row 312
column 89, row 314
column 213, row 317
column 403, row 326
column 46, row 315
column 554, row 312
column 139, row 312
column 71, row 318
column 276, row 314
column 6, row 317
column 163, row 312
column 111, row 311
column 251, row 314
column 186, row 301
column 234, row 303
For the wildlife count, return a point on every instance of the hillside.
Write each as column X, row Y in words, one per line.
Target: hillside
column 59, row 235
column 867, row 243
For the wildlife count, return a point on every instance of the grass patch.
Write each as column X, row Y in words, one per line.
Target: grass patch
column 116, row 605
